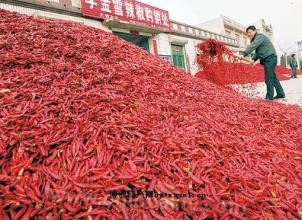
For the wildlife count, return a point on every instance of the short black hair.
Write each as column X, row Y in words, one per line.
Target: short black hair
column 251, row 27
column 293, row 55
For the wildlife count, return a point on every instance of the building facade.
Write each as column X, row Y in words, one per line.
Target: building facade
column 299, row 53
column 180, row 44
column 172, row 41
column 228, row 27
column 266, row 29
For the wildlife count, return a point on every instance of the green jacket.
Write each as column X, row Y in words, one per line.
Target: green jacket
column 293, row 62
column 263, row 47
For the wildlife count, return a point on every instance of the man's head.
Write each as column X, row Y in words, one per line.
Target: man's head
column 293, row 55
column 251, row 31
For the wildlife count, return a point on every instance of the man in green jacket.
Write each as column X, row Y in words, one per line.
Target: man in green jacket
column 293, row 65
column 266, row 53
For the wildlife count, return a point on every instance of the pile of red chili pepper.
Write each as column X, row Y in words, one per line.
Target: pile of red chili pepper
column 93, row 127
column 219, row 65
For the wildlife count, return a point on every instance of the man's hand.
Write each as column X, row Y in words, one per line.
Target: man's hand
column 240, row 57
column 255, row 62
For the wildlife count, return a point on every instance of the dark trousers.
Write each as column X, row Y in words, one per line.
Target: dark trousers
column 271, row 79
column 294, row 72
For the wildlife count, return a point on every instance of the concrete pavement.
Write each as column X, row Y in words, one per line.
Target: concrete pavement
column 292, row 88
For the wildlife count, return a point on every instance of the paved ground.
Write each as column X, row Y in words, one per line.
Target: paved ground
column 292, row 88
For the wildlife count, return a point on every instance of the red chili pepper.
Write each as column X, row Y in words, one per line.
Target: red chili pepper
column 12, row 214
column 70, row 208
column 92, row 213
column 156, row 215
column 27, row 214
column 32, row 196
column 50, row 159
column 65, row 216
column 118, row 188
column 36, row 190
column 20, row 213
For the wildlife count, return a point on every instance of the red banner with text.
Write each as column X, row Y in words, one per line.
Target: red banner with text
column 127, row 10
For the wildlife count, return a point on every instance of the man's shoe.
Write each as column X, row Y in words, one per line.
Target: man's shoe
column 279, row 97
column 269, row 99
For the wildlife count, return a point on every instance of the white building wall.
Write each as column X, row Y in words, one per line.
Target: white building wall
column 163, row 44
column 191, row 53
column 265, row 29
column 299, row 57
column 76, row 3
column 164, row 48
column 215, row 25
column 234, row 30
